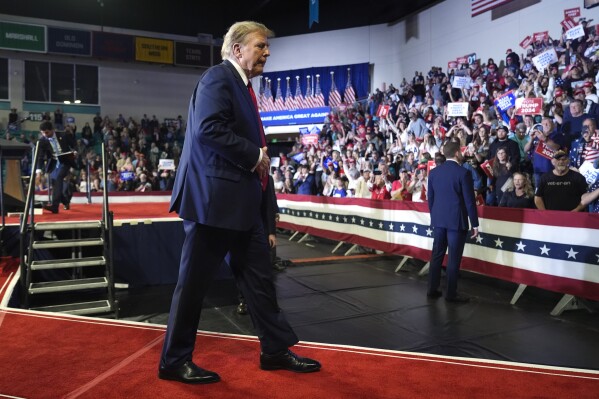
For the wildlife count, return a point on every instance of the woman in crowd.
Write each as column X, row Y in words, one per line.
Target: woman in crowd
column 429, row 144
column 379, row 188
column 503, row 170
column 399, row 190
column 412, row 146
column 521, row 195
column 481, row 143
column 82, row 186
column 418, row 184
column 279, row 182
column 409, row 162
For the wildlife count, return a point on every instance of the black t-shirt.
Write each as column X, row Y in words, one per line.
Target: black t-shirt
column 509, row 199
column 561, row 193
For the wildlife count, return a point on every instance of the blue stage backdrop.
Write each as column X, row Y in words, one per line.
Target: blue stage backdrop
column 360, row 79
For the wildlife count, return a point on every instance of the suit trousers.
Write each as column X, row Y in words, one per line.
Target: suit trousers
column 60, row 189
column 444, row 239
column 203, row 251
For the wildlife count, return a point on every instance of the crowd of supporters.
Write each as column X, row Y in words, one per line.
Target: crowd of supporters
column 360, row 154
column 134, row 150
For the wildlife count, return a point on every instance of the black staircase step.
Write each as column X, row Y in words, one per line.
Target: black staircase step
column 44, row 226
column 68, row 263
column 68, row 285
column 80, row 308
column 82, row 242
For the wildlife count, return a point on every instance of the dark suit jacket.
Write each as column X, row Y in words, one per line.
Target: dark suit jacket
column 214, row 184
column 269, row 208
column 67, row 143
column 451, row 197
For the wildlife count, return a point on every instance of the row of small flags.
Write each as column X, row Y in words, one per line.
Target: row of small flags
column 313, row 98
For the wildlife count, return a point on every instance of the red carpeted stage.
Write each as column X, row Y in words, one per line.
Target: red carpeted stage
column 53, row 356
column 360, row 300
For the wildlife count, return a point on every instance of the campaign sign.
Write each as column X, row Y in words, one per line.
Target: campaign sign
column 430, row 165
column 529, row 106
column 457, row 109
column 461, row 82
column 382, row 111
column 452, row 64
column 487, row 167
column 568, row 23
column 309, row 136
column 526, row 42
column 572, row 12
column 506, row 101
column 126, row 176
column 544, row 150
column 166, row 164
column 575, row 32
column 275, row 162
column 540, row 36
column 545, row 59
column 462, row 60
column 589, row 172
column 70, row 119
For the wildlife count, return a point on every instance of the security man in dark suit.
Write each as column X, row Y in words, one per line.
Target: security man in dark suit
column 57, row 148
column 451, row 202
column 218, row 190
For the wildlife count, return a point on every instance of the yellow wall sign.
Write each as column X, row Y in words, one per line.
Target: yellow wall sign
column 153, row 50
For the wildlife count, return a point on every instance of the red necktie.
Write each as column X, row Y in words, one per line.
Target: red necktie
column 262, row 136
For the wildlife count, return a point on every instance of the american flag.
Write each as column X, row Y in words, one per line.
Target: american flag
column 309, row 98
column 334, row 96
column 289, row 103
column 349, row 96
column 318, row 96
column 279, row 101
column 298, row 98
column 553, row 250
column 481, row 6
column 267, row 102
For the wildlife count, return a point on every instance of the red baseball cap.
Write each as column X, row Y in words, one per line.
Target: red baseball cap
column 558, row 92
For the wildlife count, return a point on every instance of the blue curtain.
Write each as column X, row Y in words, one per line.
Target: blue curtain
column 360, row 79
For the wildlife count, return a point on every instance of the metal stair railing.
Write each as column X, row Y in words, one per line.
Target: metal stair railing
column 107, row 217
column 25, row 229
column 28, row 264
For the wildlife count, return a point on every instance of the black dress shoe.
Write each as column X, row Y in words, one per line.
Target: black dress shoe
column 288, row 361
column 458, row 299
column 434, row 294
column 66, row 207
column 51, row 208
column 279, row 266
column 242, row 308
column 189, row 373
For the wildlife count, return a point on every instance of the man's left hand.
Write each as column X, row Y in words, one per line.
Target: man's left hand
column 264, row 165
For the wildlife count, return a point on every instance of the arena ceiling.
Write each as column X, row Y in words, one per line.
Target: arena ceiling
column 188, row 17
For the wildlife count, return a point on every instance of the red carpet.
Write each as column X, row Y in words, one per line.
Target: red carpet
column 51, row 356
column 79, row 212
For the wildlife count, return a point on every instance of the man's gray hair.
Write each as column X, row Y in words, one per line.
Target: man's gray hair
column 238, row 33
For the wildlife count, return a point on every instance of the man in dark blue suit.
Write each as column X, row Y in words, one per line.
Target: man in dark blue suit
column 57, row 148
column 451, row 202
column 217, row 192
